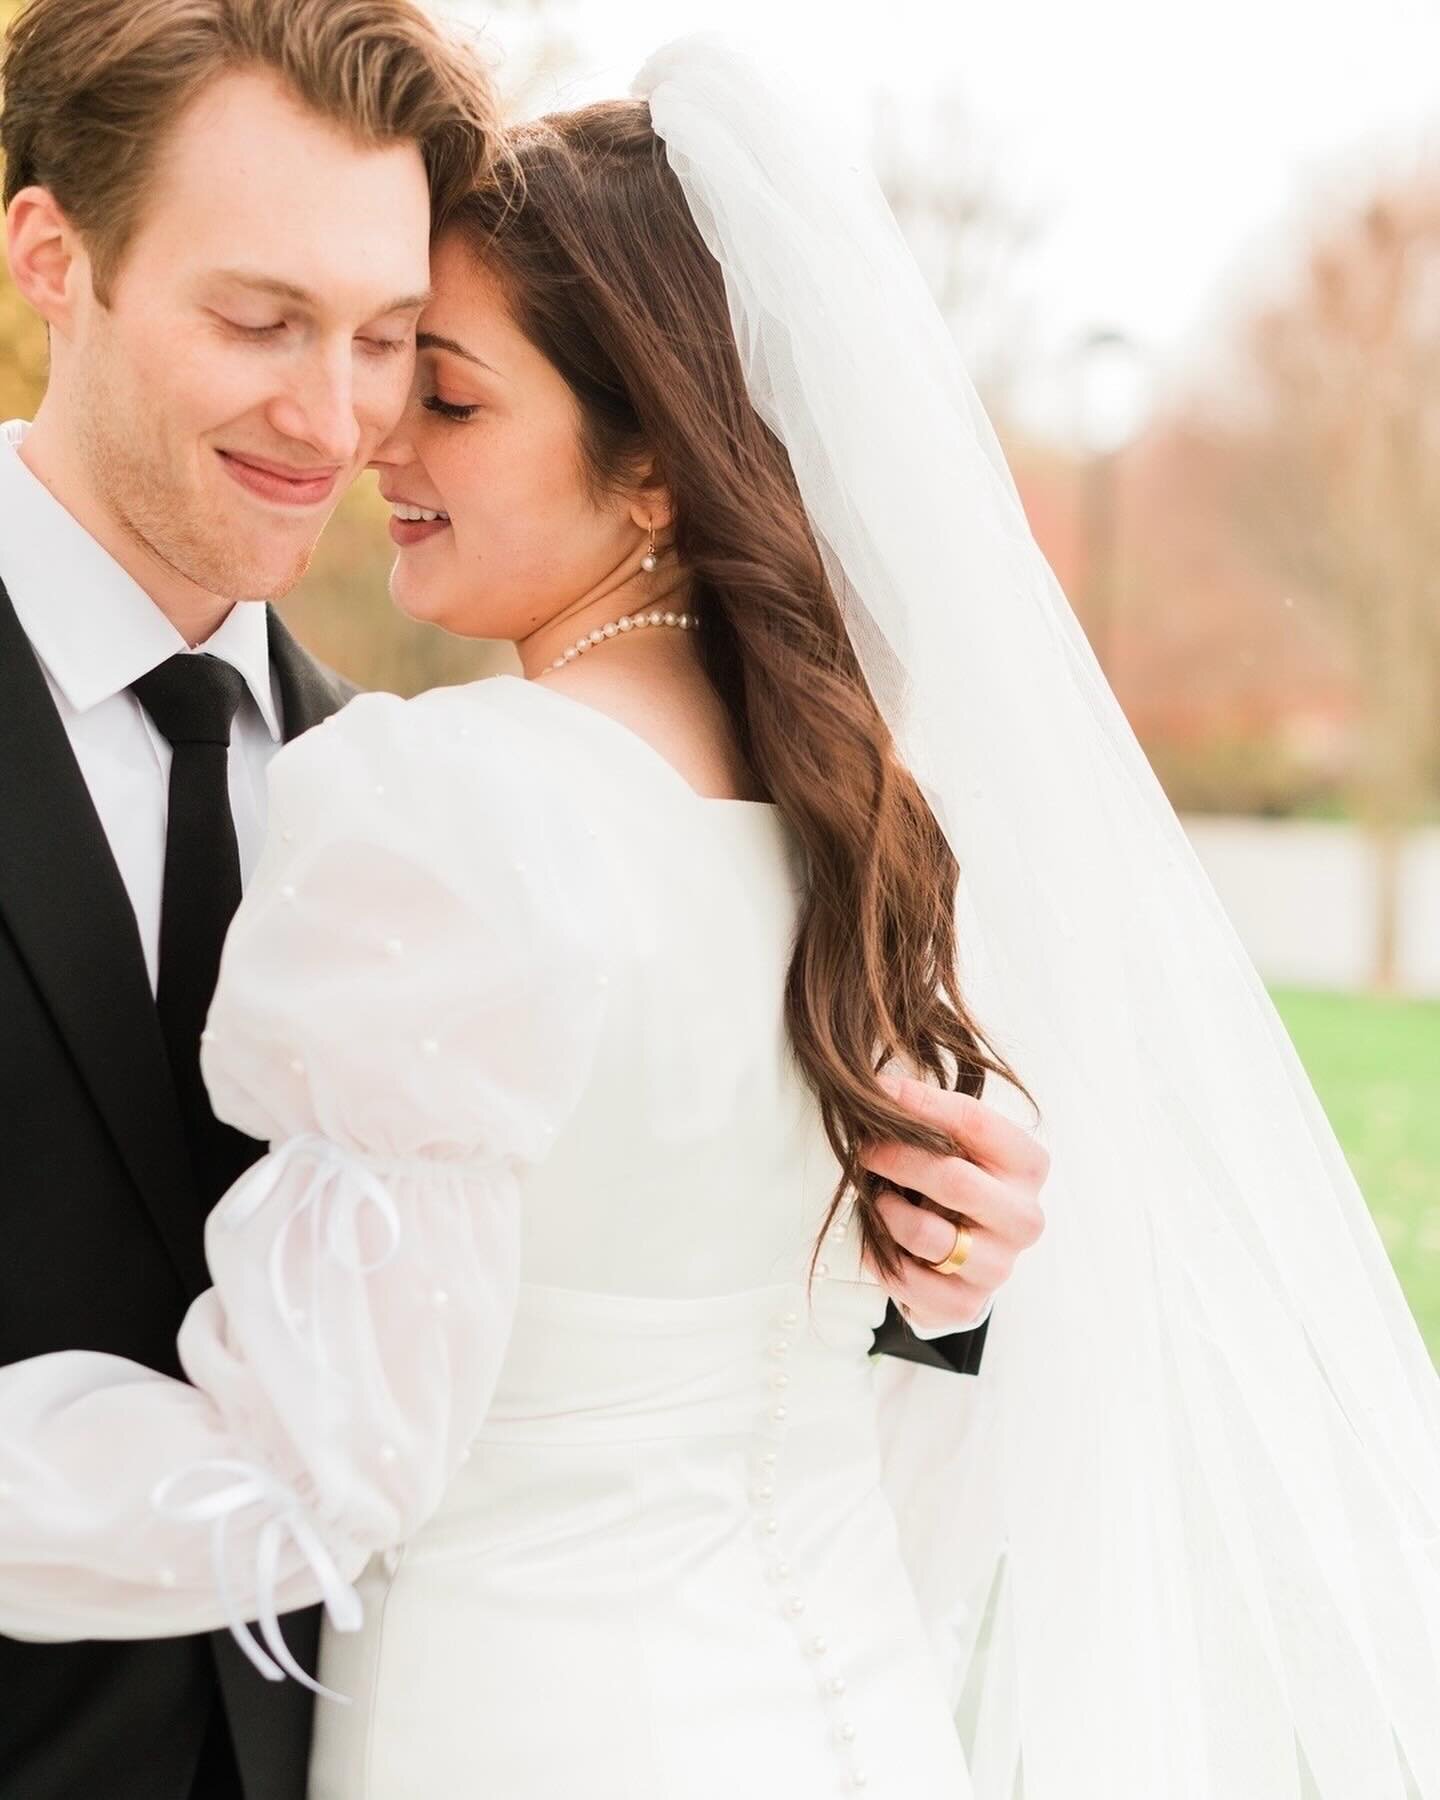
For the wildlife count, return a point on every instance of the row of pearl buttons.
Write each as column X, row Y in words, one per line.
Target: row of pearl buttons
column 833, row 1686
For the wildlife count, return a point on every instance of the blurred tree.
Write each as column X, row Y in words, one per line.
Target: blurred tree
column 968, row 233
column 22, row 336
column 22, row 354
column 533, row 46
column 1335, row 442
column 1238, row 691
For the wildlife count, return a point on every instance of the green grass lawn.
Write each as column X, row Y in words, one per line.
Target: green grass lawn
column 1376, row 1066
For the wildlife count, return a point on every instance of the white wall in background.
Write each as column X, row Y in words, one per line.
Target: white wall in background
column 1302, row 895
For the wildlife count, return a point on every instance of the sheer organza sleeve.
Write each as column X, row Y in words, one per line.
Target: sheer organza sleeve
column 407, row 1010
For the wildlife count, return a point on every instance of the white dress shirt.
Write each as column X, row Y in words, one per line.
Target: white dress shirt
column 95, row 631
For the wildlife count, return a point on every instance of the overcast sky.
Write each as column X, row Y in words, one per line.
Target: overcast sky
column 1166, row 149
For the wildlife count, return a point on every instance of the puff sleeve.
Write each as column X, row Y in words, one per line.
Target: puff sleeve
column 407, row 1010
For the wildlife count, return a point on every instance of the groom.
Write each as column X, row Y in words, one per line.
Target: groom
column 221, row 209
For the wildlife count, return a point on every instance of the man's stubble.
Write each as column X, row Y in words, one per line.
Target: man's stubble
column 140, row 481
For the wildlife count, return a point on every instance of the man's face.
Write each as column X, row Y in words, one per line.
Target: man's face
column 259, row 340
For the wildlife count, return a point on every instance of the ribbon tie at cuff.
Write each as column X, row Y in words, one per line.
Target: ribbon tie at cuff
column 348, row 1181
column 247, row 1484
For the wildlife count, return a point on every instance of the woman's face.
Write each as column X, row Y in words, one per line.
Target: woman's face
column 491, row 439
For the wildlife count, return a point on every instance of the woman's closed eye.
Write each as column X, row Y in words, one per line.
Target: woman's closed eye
column 447, row 409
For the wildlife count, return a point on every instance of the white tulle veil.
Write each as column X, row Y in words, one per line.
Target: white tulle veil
column 1181, row 1539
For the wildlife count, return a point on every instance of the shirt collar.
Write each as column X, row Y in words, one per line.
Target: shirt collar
column 92, row 625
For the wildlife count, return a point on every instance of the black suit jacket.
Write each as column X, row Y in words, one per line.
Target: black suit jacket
column 102, row 1228
column 103, row 1232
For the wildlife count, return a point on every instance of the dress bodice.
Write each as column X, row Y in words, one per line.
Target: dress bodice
column 696, row 1134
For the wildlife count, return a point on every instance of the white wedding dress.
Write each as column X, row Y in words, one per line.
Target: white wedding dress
column 522, row 1283
column 665, row 1570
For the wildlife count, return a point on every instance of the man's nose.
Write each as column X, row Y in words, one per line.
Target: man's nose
column 397, row 448
column 318, row 408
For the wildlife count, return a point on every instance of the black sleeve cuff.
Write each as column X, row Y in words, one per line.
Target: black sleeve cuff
column 960, row 1353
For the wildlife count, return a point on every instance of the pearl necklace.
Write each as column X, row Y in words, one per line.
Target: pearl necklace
column 630, row 622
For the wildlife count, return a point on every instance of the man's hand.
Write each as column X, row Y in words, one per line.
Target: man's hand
column 996, row 1191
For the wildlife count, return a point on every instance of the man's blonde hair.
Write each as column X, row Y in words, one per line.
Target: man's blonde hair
column 91, row 88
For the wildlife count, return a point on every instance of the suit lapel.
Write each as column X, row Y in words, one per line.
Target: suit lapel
column 67, row 910
column 309, row 694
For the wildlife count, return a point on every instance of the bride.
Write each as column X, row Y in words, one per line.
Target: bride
column 541, row 978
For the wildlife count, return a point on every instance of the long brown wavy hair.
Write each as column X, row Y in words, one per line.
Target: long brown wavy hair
column 588, row 233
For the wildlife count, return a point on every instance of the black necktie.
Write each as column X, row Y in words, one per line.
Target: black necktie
column 193, row 701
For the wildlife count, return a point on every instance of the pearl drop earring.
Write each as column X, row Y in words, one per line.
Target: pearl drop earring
column 649, row 559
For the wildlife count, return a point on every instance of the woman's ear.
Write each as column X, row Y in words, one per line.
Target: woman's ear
column 650, row 503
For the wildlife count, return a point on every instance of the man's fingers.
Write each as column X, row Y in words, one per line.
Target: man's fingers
column 933, row 1299
column 982, row 1132
column 930, row 1237
column 993, row 1178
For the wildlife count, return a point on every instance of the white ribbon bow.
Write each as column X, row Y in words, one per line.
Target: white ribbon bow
column 251, row 1485
column 348, row 1180
column 349, row 1183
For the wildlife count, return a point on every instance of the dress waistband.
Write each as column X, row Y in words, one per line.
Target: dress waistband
column 587, row 1367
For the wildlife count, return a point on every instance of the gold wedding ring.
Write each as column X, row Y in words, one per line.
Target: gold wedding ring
column 959, row 1251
